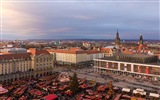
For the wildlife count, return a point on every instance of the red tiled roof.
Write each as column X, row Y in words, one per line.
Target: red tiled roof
column 50, row 97
column 93, row 52
column 15, row 56
column 34, row 51
column 142, row 46
column 73, row 51
column 66, row 51
column 105, row 50
column 127, row 52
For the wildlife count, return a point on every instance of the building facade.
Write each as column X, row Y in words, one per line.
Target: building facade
column 42, row 62
column 35, row 63
column 15, row 66
column 75, row 57
column 123, row 67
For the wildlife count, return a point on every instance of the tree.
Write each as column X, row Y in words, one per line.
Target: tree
column 74, row 84
column 111, row 91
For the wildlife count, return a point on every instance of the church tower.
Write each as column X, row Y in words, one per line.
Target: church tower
column 141, row 39
column 141, row 45
column 117, row 40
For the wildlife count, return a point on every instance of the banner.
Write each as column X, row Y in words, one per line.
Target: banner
column 139, row 69
column 107, row 65
column 147, row 70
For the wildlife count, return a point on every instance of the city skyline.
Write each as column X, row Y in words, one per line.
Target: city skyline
column 80, row 20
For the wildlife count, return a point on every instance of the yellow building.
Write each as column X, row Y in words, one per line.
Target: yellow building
column 35, row 63
column 15, row 66
column 42, row 62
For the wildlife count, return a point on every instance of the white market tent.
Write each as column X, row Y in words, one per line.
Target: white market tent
column 125, row 90
column 140, row 91
column 154, row 95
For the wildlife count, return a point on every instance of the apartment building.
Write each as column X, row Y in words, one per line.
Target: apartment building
column 15, row 66
column 42, row 62
column 34, row 63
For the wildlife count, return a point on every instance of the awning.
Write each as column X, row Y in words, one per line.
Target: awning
column 139, row 89
column 154, row 95
column 140, row 92
column 126, row 90
column 50, row 97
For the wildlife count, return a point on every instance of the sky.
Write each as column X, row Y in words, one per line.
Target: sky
column 28, row 19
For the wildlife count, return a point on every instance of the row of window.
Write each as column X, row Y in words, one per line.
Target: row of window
column 15, row 69
column 46, row 59
column 22, row 62
column 40, row 64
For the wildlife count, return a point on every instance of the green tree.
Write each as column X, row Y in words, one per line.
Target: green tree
column 74, row 84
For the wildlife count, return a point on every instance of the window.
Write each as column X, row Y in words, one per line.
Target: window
column 40, row 59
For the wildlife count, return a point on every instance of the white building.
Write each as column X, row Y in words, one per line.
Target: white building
column 133, row 65
column 87, row 44
column 14, row 50
column 75, row 56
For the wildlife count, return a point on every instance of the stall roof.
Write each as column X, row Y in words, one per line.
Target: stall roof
column 139, row 89
column 126, row 90
column 154, row 95
column 140, row 92
column 50, row 97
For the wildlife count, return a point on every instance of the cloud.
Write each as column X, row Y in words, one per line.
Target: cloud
column 19, row 23
column 60, row 30
column 82, row 17
column 80, row 20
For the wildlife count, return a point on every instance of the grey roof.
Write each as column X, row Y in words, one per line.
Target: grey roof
column 135, row 55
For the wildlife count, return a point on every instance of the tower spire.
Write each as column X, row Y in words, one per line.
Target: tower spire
column 117, row 33
column 141, row 39
column 117, row 40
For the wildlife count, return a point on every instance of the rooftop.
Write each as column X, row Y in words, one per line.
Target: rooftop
column 35, row 51
column 138, row 58
column 15, row 56
column 135, row 55
column 73, row 51
column 113, row 59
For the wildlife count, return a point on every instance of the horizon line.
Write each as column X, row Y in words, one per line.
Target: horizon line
column 78, row 39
